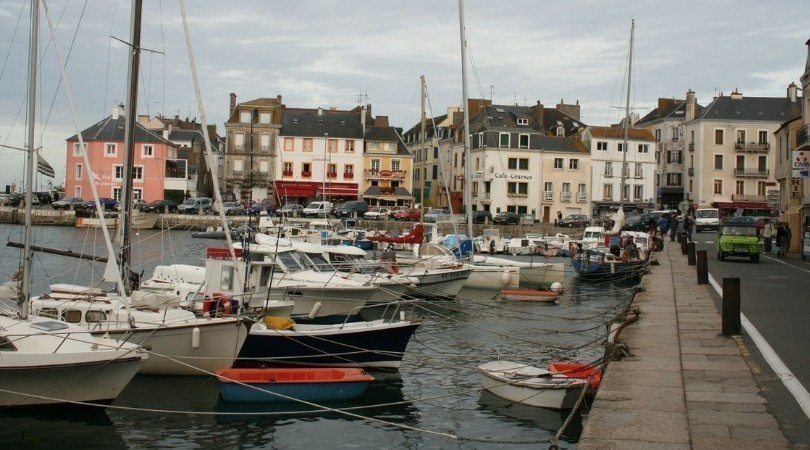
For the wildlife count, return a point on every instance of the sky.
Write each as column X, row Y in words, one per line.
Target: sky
column 338, row 53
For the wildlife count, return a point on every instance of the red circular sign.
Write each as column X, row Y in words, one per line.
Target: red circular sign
column 386, row 173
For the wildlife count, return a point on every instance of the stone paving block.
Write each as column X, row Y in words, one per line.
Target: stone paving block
column 708, row 443
column 734, row 419
column 660, row 363
column 716, row 431
column 701, row 386
column 638, row 425
column 717, row 365
column 724, row 350
column 650, row 398
column 635, row 378
column 724, row 397
column 624, row 444
column 727, row 407
column 767, row 435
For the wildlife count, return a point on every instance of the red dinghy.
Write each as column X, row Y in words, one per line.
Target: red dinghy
column 578, row 370
column 529, row 295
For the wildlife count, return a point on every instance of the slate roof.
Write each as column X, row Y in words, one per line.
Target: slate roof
column 562, row 144
column 112, row 130
column 307, row 123
column 676, row 112
column 752, row 109
column 504, row 118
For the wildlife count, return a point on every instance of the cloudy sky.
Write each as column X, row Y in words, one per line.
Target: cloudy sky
column 344, row 53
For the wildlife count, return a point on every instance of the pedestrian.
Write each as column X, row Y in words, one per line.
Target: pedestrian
column 559, row 217
column 674, row 227
column 768, row 234
column 688, row 222
column 781, row 235
column 663, row 226
column 787, row 234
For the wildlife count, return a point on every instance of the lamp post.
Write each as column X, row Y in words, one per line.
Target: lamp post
column 250, row 200
column 325, row 151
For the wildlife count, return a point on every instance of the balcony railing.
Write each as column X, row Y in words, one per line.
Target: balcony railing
column 565, row 196
column 582, row 197
column 748, row 198
column 752, row 173
column 690, row 171
column 237, row 173
column 691, row 146
column 802, row 137
column 752, row 147
column 548, row 195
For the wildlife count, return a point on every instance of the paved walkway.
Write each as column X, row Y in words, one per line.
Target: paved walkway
column 684, row 385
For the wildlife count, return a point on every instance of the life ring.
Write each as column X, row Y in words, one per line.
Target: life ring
column 219, row 301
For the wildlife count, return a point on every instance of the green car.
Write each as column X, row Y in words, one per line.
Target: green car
column 736, row 238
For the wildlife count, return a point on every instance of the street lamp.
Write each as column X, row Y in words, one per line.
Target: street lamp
column 252, row 112
column 325, row 150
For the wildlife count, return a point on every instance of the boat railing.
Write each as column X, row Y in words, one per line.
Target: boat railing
column 395, row 311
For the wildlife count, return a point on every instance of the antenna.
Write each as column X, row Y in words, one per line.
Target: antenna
column 514, row 98
column 491, row 91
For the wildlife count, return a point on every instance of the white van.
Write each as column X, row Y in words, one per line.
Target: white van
column 707, row 219
column 317, row 209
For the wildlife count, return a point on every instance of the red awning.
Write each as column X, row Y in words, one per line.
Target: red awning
column 743, row 205
column 312, row 189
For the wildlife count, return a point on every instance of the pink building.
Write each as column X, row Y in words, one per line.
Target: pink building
column 104, row 144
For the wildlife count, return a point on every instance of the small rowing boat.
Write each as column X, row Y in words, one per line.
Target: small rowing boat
column 313, row 384
column 529, row 295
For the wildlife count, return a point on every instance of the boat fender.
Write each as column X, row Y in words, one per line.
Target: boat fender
column 505, row 276
column 195, row 338
column 556, row 287
column 315, row 308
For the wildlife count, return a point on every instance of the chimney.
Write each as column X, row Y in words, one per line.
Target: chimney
column 691, row 105
column 116, row 111
column 736, row 95
column 320, row 111
column 791, row 92
column 572, row 111
column 538, row 112
column 807, row 63
column 381, row 121
column 363, row 119
column 233, row 104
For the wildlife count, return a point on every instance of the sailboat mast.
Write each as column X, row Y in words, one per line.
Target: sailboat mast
column 467, row 169
column 25, row 287
column 129, row 142
column 422, row 148
column 627, row 114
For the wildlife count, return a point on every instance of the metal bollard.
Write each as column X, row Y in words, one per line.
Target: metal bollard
column 732, row 324
column 690, row 253
column 702, row 267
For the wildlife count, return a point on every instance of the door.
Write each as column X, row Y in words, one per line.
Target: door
column 546, row 214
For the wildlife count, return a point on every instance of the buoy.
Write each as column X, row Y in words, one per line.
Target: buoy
column 315, row 308
column 402, row 316
column 505, row 276
column 195, row 338
column 556, row 287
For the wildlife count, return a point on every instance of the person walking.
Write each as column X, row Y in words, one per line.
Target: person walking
column 768, row 234
column 559, row 218
column 663, row 226
column 687, row 226
column 786, row 235
column 781, row 235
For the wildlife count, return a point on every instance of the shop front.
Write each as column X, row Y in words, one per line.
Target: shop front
column 303, row 192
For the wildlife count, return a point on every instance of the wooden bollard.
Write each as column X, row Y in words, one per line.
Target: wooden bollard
column 690, row 253
column 732, row 324
column 702, row 267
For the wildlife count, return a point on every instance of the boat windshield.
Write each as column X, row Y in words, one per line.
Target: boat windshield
column 320, row 263
column 289, row 262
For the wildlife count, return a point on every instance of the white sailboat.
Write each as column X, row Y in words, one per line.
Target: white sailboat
column 181, row 343
column 46, row 361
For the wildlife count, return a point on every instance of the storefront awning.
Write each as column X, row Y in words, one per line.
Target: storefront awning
column 387, row 193
column 743, row 205
column 313, row 189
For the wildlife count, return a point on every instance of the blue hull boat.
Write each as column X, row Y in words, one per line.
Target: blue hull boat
column 272, row 385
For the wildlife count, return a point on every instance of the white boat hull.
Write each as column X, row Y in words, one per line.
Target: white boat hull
column 437, row 283
column 493, row 277
column 530, row 385
column 531, row 273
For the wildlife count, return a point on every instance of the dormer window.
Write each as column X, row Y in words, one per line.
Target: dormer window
column 560, row 132
column 522, row 121
column 244, row 116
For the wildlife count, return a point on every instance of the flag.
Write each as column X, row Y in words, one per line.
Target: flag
column 44, row 168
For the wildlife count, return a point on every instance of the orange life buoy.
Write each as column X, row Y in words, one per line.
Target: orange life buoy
column 219, row 301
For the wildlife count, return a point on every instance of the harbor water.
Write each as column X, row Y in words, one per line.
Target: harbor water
column 434, row 401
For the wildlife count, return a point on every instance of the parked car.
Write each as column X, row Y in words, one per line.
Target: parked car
column 378, row 213
column 353, row 208
column 257, row 209
column 641, row 222
column 574, row 220
column 107, row 204
column 481, row 216
column 230, row 209
column 318, row 209
column 506, row 218
column 68, row 203
column 160, row 206
column 290, row 210
column 10, row 199
column 193, row 205
column 433, row 215
column 410, row 215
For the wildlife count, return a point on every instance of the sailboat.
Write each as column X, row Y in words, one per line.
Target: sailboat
column 46, row 361
column 614, row 262
column 181, row 342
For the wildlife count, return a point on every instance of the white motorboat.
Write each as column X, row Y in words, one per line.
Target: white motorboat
column 532, row 273
column 531, row 386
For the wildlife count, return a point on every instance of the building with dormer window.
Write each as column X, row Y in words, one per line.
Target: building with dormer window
column 388, row 165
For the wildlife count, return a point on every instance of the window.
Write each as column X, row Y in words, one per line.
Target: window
column 566, row 187
column 718, row 187
column 674, row 156
column 741, row 161
column 110, row 149
column 676, row 134
column 118, row 172
column 762, row 137
column 239, row 141
column 573, row 164
column 657, row 135
column 673, row 179
column 374, row 146
column 522, row 121
column 718, row 137
column 375, row 165
column 520, row 189
column 607, row 192
column 523, row 164
column 621, row 147
column 349, row 146
column 264, row 142
column 601, row 145
column 741, row 136
column 348, row 168
column 548, row 186
column 511, row 163
column 558, row 163
column 77, row 151
column 762, row 163
column 289, row 144
column 503, row 140
column 306, row 169
column 626, row 169
column 639, row 172
column 287, row 167
column 78, row 172
column 332, row 168
column 244, row 116
column 395, row 165
column 626, row 195
column 332, row 146
column 644, row 148
column 761, row 187
column 524, row 141
column 238, row 166
column 518, row 164
column 264, row 117
column 148, row 151
column 718, row 162
column 638, row 192
column 137, row 173
column 739, row 187
column 307, row 144
column 608, row 169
